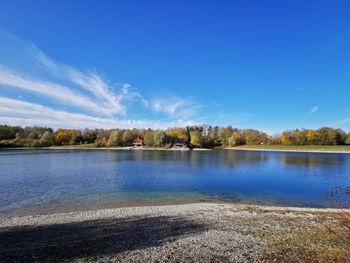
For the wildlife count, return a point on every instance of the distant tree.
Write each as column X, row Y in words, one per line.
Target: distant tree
column 128, row 138
column 61, row 137
column 208, row 142
column 159, row 138
column 135, row 133
column 347, row 140
column 34, row 143
column 9, row 132
column 235, row 139
column 341, row 136
column 287, row 138
column 46, row 139
column 148, row 138
column 225, row 134
column 115, row 138
column 311, row 136
column 251, row 136
column 178, row 134
column 275, row 139
column 300, row 137
column 74, row 136
column 102, row 137
column 264, row 138
column 197, row 139
column 216, row 132
column 89, row 136
column 327, row 136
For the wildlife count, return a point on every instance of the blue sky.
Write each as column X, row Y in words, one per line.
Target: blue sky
column 269, row 65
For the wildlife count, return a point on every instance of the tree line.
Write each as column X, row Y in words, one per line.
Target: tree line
column 195, row 136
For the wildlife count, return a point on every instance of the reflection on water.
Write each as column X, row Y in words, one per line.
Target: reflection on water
column 199, row 158
column 312, row 160
column 38, row 177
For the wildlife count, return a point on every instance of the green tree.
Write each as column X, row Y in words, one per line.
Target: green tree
column 341, row 136
column 9, row 132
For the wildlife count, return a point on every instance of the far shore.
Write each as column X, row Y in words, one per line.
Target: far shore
column 197, row 232
column 302, row 149
column 269, row 148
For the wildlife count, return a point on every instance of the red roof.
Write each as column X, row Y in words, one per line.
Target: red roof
column 138, row 141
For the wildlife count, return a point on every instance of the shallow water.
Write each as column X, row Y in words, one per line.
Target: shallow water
column 107, row 178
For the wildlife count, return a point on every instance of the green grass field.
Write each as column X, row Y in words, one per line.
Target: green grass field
column 330, row 148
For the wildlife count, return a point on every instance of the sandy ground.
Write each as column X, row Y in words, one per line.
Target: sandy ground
column 201, row 232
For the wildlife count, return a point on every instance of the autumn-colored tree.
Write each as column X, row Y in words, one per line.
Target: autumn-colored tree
column 287, row 138
column 311, row 136
column 102, row 137
column 327, row 136
column 115, row 138
column 159, row 139
column 251, row 136
column 275, row 139
column 46, row 139
column 148, row 138
column 197, row 139
column 347, row 140
column 128, row 138
column 60, row 137
column 178, row 134
column 225, row 134
column 89, row 136
column 200, row 136
column 235, row 139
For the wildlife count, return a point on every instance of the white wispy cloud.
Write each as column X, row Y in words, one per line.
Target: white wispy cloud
column 17, row 112
column 341, row 123
column 228, row 118
column 88, row 99
column 314, row 110
column 175, row 107
column 56, row 91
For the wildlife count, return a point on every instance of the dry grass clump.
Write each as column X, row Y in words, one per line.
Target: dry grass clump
column 307, row 244
column 328, row 240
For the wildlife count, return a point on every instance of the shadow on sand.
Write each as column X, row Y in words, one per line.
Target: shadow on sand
column 90, row 238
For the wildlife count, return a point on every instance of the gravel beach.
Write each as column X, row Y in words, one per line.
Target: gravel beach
column 201, row 232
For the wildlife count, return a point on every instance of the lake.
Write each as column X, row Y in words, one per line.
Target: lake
column 59, row 180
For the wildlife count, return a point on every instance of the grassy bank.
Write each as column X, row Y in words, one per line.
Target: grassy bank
column 302, row 148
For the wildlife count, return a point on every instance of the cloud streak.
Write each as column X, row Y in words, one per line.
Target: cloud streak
column 175, row 107
column 52, row 90
column 17, row 112
column 88, row 99
column 314, row 110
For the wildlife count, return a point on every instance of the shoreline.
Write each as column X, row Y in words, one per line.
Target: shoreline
column 81, row 215
column 197, row 232
column 75, row 147
column 287, row 150
column 53, row 208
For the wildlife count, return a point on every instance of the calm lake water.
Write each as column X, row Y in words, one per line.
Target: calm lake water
column 89, row 178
